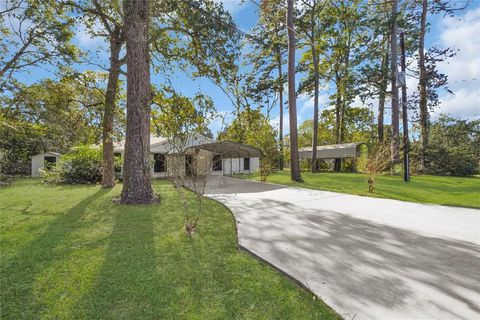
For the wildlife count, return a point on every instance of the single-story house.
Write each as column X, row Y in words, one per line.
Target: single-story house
column 202, row 154
column 40, row 160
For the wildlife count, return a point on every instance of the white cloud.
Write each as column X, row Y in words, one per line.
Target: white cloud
column 85, row 40
column 462, row 69
column 275, row 122
column 308, row 103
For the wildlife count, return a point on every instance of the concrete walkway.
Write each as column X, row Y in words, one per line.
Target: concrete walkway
column 367, row 258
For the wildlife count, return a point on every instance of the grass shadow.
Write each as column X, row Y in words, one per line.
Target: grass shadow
column 126, row 286
column 19, row 272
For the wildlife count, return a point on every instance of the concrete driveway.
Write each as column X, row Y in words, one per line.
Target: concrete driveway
column 367, row 258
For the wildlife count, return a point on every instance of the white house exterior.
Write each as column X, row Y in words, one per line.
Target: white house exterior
column 39, row 160
column 222, row 157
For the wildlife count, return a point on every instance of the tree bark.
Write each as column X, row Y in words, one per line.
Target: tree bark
column 136, row 168
column 382, row 96
column 280, row 100
column 338, row 127
column 395, row 145
column 108, row 178
column 315, row 110
column 292, row 99
column 422, row 87
column 406, row 147
column 338, row 121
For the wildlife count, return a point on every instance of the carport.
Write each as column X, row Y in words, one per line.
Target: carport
column 230, row 150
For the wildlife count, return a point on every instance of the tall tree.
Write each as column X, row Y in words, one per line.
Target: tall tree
column 422, row 85
column 137, row 187
column 348, row 41
column 309, row 24
column 395, row 144
column 269, row 48
column 104, row 19
column 33, row 33
column 292, row 98
column 382, row 94
column 429, row 78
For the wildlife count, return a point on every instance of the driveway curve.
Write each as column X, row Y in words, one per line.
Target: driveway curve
column 367, row 258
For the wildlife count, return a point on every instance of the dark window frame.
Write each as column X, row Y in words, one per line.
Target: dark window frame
column 217, row 162
column 246, row 164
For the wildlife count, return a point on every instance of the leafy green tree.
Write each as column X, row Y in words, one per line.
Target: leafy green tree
column 33, row 33
column 430, row 80
column 255, row 130
column 104, row 19
column 50, row 116
column 359, row 127
column 454, row 147
column 309, row 23
column 266, row 80
column 177, row 117
column 347, row 35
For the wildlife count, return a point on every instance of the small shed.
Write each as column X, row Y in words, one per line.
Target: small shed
column 332, row 151
column 39, row 160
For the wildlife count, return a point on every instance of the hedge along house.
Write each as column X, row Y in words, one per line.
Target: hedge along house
column 40, row 161
column 200, row 155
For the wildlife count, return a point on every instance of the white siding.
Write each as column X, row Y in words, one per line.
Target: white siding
column 235, row 165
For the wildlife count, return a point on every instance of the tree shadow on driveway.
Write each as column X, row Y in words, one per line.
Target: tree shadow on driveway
column 358, row 266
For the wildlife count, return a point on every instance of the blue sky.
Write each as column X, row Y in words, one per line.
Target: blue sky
column 463, row 70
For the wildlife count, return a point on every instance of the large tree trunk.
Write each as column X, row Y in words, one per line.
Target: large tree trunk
column 136, row 168
column 280, row 101
column 108, row 178
column 422, row 87
column 315, row 111
column 382, row 95
column 292, row 99
column 395, row 145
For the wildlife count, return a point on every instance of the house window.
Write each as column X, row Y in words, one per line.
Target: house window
column 246, row 164
column 159, row 165
column 117, row 154
column 217, row 162
column 189, row 164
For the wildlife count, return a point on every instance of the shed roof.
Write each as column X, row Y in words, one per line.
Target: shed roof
column 230, row 149
column 331, row 151
column 47, row 153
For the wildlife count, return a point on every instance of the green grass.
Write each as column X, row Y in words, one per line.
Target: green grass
column 68, row 252
column 452, row 191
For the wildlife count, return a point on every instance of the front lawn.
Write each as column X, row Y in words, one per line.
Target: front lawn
column 453, row 191
column 68, row 252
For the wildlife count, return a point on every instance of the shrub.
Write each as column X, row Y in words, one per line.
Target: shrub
column 454, row 147
column 378, row 161
column 81, row 165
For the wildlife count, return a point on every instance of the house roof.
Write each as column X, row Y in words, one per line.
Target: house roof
column 154, row 140
column 230, row 149
column 331, row 151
